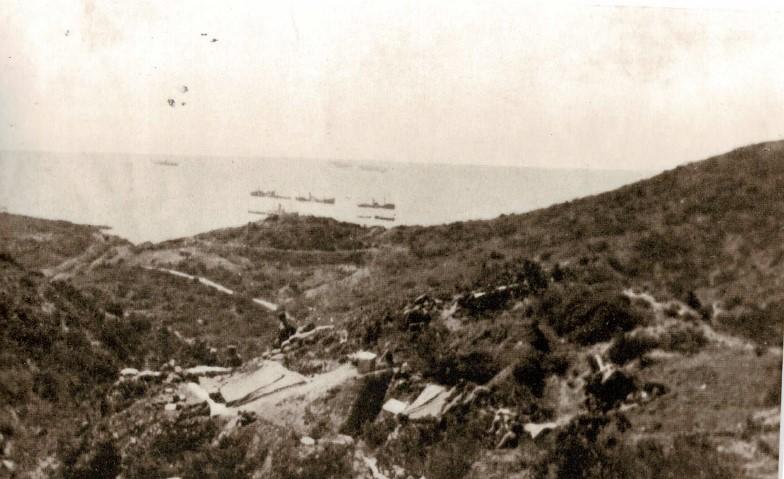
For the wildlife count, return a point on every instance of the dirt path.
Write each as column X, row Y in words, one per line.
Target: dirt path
column 212, row 284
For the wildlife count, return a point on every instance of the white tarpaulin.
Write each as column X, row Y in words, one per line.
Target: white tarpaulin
column 270, row 377
column 430, row 402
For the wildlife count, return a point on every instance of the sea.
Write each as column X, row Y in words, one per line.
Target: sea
column 154, row 198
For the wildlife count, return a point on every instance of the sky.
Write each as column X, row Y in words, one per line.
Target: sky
column 493, row 83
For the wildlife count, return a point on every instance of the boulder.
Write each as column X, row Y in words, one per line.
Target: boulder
column 417, row 315
column 364, row 360
column 307, row 441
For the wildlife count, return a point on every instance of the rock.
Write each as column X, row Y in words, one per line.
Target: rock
column 10, row 465
column 307, row 441
column 417, row 315
column 610, row 390
column 170, row 407
column 364, row 360
column 343, row 439
column 247, row 417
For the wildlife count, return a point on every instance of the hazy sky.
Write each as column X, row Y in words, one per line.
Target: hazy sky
column 494, row 83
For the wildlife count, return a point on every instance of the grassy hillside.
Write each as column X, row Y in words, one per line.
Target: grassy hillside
column 39, row 243
column 711, row 226
column 677, row 280
column 61, row 350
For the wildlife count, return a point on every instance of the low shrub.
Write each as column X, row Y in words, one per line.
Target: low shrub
column 226, row 460
column 685, row 339
column 330, row 462
column 104, row 463
column 183, row 435
column 765, row 326
column 592, row 447
column 375, row 433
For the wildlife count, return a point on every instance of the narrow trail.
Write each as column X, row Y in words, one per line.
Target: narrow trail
column 212, row 284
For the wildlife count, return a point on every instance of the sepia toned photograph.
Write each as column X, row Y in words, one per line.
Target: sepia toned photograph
column 391, row 239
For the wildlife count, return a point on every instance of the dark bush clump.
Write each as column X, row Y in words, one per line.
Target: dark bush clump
column 626, row 347
column 588, row 317
column 475, row 366
column 370, row 399
column 530, row 373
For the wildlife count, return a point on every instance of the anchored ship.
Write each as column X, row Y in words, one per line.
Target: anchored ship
column 377, row 205
column 268, row 194
column 311, row 198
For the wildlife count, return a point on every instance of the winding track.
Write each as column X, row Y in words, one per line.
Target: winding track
column 212, row 284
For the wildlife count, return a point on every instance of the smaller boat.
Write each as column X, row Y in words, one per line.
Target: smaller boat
column 374, row 169
column 384, row 218
column 340, row 164
column 279, row 211
column 311, row 198
column 268, row 194
column 166, row 163
column 365, row 217
column 377, row 205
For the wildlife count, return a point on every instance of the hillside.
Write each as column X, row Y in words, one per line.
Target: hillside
column 38, row 243
column 635, row 333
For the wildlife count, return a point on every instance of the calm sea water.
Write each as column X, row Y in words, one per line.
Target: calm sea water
column 144, row 201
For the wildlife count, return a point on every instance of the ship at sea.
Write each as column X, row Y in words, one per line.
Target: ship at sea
column 166, row 163
column 384, row 218
column 377, row 205
column 268, row 194
column 341, row 164
column 374, row 169
column 279, row 211
column 311, row 198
